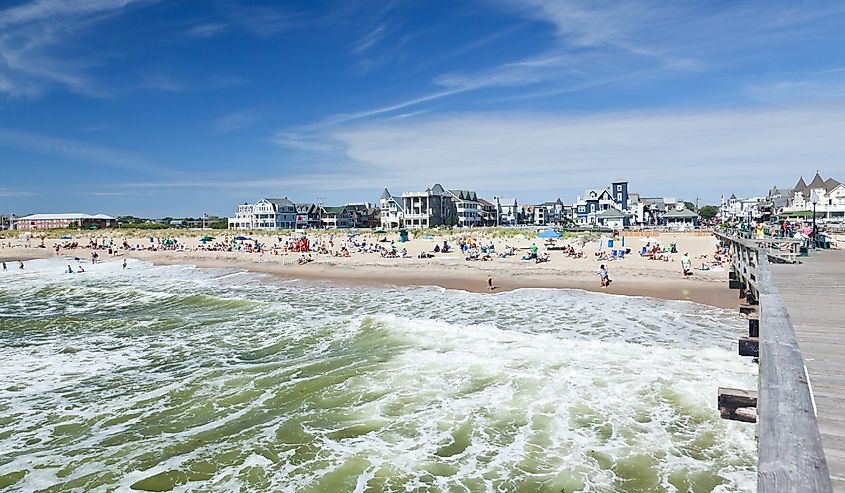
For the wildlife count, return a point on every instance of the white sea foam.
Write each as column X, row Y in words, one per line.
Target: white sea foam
column 218, row 380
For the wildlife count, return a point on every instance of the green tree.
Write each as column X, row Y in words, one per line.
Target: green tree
column 708, row 212
column 689, row 205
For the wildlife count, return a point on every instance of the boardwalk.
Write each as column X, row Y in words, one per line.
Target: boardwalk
column 814, row 295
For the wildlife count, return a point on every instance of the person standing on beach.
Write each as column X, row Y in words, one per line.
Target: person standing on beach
column 4, row 266
column 490, row 283
column 604, row 280
column 686, row 265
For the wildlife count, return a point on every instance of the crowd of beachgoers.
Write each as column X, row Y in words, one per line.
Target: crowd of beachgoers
column 640, row 262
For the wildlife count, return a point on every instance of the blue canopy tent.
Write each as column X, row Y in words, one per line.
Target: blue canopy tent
column 242, row 238
column 549, row 233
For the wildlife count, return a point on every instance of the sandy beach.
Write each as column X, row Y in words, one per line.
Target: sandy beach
column 635, row 275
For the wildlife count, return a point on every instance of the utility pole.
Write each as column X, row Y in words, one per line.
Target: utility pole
column 696, row 203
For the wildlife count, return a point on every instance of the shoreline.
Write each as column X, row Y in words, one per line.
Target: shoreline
column 709, row 293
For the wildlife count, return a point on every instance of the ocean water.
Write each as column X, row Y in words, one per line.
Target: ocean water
column 183, row 379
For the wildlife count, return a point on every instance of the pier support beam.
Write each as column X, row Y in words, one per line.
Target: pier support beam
column 747, row 309
column 738, row 404
column 753, row 325
column 749, row 346
column 735, row 284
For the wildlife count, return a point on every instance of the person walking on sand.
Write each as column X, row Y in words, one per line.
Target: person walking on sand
column 20, row 264
column 490, row 286
column 686, row 265
column 604, row 280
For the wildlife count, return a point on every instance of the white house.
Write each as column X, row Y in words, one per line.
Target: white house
column 265, row 214
column 392, row 210
column 243, row 218
column 508, row 211
column 829, row 194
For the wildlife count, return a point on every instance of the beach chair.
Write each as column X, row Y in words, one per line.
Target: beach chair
column 643, row 252
column 621, row 254
column 613, row 255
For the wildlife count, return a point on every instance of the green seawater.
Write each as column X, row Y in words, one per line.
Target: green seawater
column 183, row 379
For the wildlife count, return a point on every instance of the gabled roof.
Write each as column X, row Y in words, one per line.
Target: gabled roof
column 612, row 213
column 334, row 210
column 485, row 203
column 283, row 201
column 732, row 197
column 438, row 189
column 385, row 195
column 830, row 184
column 680, row 214
column 817, row 182
column 464, row 195
column 800, row 186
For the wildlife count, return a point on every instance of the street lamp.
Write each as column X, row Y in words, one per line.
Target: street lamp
column 814, row 199
column 498, row 210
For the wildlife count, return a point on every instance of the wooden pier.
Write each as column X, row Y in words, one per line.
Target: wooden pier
column 792, row 456
column 814, row 296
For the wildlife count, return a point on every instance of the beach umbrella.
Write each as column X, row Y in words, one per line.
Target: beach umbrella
column 207, row 238
column 65, row 237
column 352, row 235
column 242, row 238
column 379, row 231
column 549, row 233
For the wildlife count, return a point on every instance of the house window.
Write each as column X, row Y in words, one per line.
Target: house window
column 619, row 197
column 618, row 188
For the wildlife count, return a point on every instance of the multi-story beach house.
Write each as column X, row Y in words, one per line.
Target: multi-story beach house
column 467, row 208
column 430, row 208
column 363, row 215
column 509, row 212
column 274, row 214
column 391, row 211
column 307, row 216
column 596, row 201
column 549, row 213
column 243, row 217
column 487, row 212
column 829, row 196
column 336, row 217
column 265, row 214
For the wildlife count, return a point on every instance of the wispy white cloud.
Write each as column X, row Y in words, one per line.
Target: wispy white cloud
column 236, row 121
column 32, row 34
column 687, row 152
column 371, row 39
column 207, row 29
column 12, row 192
column 78, row 151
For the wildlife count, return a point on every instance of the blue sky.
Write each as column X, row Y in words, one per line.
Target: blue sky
column 177, row 108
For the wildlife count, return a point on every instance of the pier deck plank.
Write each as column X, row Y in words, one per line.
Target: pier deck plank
column 814, row 295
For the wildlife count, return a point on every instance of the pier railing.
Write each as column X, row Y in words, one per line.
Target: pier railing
column 790, row 453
